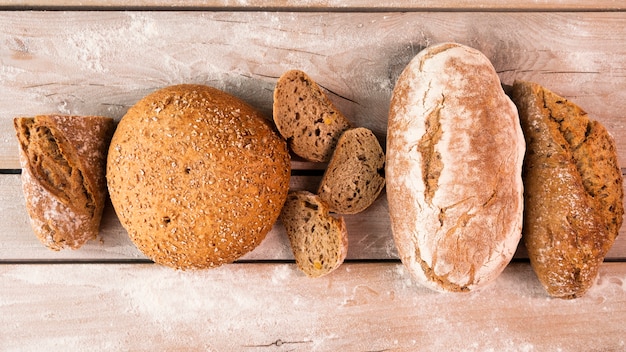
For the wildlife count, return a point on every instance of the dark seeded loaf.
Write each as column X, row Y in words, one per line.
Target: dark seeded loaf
column 573, row 190
column 318, row 240
column 306, row 118
column 353, row 179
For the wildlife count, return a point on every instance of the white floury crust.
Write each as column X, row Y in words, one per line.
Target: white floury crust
column 451, row 122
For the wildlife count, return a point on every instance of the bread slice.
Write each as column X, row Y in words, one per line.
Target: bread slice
column 63, row 176
column 319, row 241
column 306, row 118
column 353, row 179
column 573, row 190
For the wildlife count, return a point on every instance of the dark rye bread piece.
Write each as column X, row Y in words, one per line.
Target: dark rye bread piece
column 318, row 240
column 573, row 190
column 353, row 179
column 306, row 118
column 63, row 175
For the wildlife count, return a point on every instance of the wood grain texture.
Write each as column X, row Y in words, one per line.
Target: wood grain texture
column 330, row 5
column 103, row 62
column 273, row 307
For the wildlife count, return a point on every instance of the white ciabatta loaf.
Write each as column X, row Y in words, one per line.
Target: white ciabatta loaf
column 454, row 159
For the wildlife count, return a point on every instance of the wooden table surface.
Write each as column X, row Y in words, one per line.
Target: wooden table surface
column 100, row 57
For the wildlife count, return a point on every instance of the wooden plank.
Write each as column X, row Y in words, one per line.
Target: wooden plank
column 369, row 233
column 370, row 236
column 103, row 62
column 257, row 307
column 337, row 5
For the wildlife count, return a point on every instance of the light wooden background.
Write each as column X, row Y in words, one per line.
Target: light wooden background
column 108, row 296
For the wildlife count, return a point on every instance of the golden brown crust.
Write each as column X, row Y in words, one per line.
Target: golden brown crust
column 196, row 176
column 63, row 161
column 573, row 201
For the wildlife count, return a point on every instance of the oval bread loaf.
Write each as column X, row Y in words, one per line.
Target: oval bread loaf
column 454, row 158
column 196, row 176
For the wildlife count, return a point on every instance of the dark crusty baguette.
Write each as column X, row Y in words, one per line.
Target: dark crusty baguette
column 573, row 190
column 353, row 179
column 306, row 118
column 319, row 241
column 63, row 177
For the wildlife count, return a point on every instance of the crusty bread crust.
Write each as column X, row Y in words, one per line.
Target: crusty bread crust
column 453, row 172
column 318, row 240
column 353, row 179
column 574, row 195
column 196, row 176
column 63, row 176
column 306, row 118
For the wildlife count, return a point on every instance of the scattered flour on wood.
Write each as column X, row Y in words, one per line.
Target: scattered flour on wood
column 97, row 45
column 263, row 304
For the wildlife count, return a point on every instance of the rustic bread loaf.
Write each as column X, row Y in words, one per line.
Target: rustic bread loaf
column 353, row 179
column 196, row 176
column 574, row 197
column 63, row 175
column 454, row 159
column 306, row 118
column 318, row 240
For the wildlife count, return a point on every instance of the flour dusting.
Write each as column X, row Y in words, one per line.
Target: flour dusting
column 96, row 44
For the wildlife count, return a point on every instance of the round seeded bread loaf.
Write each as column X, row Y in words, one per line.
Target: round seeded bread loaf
column 196, row 176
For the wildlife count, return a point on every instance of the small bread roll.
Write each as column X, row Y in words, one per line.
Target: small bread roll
column 454, row 159
column 196, row 176
column 63, row 165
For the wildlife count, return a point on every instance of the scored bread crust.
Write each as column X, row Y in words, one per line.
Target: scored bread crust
column 197, row 176
column 318, row 240
column 454, row 158
column 353, row 181
column 63, row 176
column 306, row 118
column 574, row 195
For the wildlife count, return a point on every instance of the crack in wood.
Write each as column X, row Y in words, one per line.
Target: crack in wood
column 340, row 96
column 279, row 343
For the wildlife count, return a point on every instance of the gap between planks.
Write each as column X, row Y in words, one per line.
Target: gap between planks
column 317, row 5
